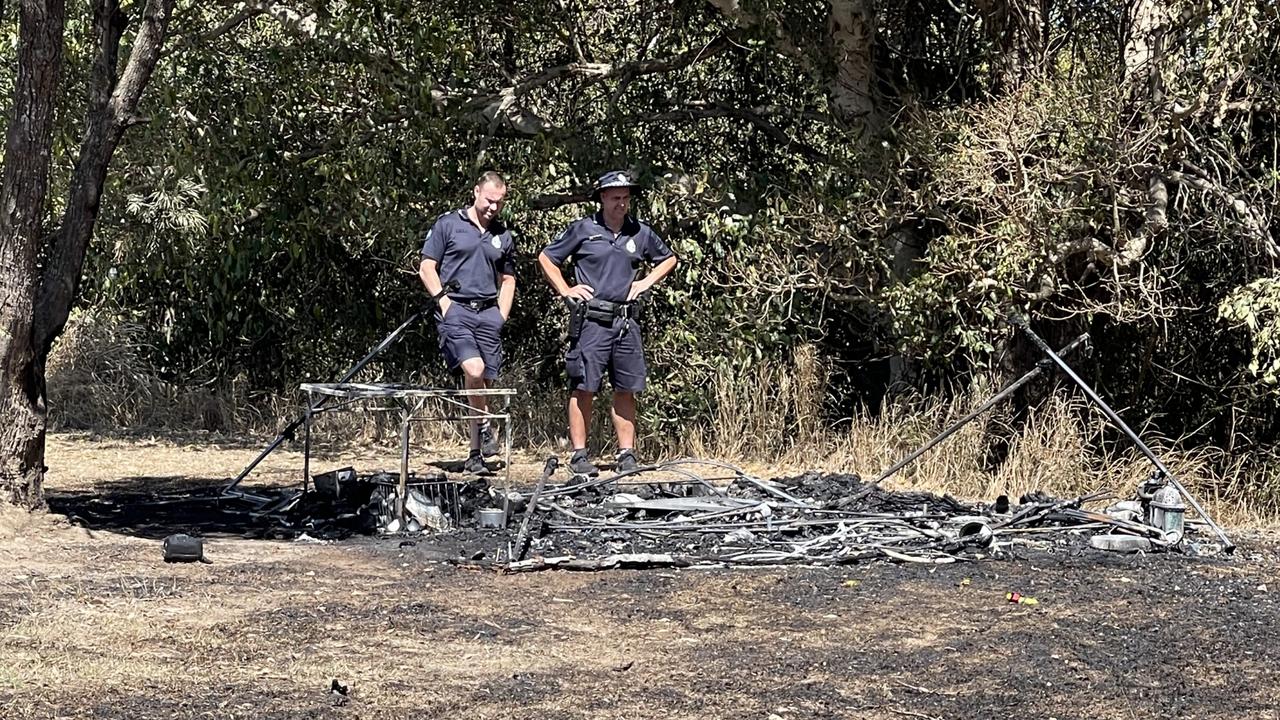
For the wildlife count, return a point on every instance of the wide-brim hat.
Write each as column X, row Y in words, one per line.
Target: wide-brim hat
column 614, row 179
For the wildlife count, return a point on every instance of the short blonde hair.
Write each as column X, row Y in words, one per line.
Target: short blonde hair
column 491, row 177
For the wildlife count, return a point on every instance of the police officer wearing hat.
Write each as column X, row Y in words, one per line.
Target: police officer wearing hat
column 468, row 267
column 607, row 250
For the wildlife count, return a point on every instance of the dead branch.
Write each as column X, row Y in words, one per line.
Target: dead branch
column 1250, row 218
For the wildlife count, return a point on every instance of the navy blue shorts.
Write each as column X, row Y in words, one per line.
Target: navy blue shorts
column 465, row 333
column 603, row 348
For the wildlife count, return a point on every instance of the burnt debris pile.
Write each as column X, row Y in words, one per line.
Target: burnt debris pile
column 342, row 503
column 670, row 514
column 692, row 512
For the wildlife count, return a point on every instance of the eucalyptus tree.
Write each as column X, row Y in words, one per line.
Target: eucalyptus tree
column 42, row 264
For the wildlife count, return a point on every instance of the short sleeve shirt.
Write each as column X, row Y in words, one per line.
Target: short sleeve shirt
column 607, row 263
column 472, row 256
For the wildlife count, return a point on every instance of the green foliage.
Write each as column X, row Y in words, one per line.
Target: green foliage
column 1256, row 307
column 264, row 225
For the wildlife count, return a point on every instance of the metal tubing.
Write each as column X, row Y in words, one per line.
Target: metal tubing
column 405, row 413
column 518, row 552
column 1021, row 323
column 506, row 430
column 292, row 427
column 1031, row 374
column 306, row 443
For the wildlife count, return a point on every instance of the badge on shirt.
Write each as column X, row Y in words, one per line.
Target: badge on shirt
column 631, row 245
column 496, row 242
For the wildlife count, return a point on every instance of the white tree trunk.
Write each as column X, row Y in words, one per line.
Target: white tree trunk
column 851, row 26
column 1148, row 20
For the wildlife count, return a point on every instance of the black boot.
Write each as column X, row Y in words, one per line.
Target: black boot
column 474, row 464
column 580, row 465
column 626, row 461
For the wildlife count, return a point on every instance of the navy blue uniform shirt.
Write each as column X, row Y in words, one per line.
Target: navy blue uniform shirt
column 473, row 257
column 606, row 263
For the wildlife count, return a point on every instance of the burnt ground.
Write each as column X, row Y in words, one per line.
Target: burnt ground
column 94, row 624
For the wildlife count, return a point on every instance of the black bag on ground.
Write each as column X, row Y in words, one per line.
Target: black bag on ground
column 183, row 548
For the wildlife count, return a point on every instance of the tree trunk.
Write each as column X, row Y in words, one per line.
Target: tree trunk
column 112, row 106
column 1148, row 20
column 906, row 248
column 851, row 29
column 23, row 189
column 1143, row 60
column 1016, row 28
column 844, row 56
column 35, row 304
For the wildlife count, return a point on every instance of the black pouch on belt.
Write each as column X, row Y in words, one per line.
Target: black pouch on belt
column 635, row 308
column 603, row 311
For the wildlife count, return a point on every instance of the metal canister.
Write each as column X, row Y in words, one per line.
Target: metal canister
column 1167, row 512
column 977, row 532
column 491, row 518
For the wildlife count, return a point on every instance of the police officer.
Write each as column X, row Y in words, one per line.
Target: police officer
column 468, row 267
column 607, row 250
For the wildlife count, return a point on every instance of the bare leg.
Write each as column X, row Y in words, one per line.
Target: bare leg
column 579, row 417
column 473, row 379
column 624, row 418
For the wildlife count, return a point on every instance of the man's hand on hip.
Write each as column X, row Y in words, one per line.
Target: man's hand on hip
column 580, row 292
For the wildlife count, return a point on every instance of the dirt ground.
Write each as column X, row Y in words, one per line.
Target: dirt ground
column 94, row 624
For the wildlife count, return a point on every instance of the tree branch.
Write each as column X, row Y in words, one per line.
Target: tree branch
column 1155, row 221
column 733, row 11
column 112, row 108
column 1250, row 218
column 109, row 22
column 142, row 59
column 245, row 14
column 504, row 104
column 547, row 202
column 754, row 116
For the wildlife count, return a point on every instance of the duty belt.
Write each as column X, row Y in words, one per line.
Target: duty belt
column 477, row 304
column 605, row 311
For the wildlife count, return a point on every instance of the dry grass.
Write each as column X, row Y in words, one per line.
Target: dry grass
column 99, row 376
column 769, row 419
column 767, row 413
column 772, row 418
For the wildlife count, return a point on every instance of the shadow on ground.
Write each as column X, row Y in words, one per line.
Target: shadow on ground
column 157, row 506
column 154, row 507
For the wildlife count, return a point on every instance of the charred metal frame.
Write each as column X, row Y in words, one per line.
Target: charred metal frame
column 288, row 432
column 409, row 401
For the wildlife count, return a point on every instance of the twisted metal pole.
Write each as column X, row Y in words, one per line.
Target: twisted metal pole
column 1021, row 323
column 991, row 402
